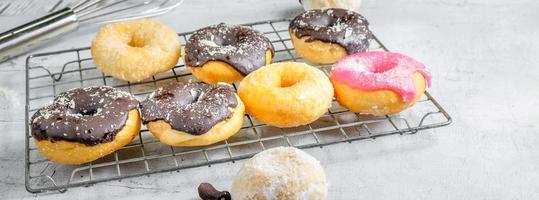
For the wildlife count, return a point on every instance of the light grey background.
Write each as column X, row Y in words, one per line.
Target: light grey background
column 485, row 59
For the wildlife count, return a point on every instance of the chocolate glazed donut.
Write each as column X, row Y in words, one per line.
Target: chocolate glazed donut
column 87, row 115
column 344, row 27
column 84, row 124
column 325, row 36
column 192, row 113
column 240, row 48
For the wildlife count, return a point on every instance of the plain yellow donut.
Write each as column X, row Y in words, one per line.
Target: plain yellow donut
column 66, row 152
column 135, row 50
column 286, row 94
column 316, row 51
column 221, row 131
column 214, row 72
column 378, row 102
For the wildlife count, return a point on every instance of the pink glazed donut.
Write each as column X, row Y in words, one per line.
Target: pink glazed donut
column 378, row 83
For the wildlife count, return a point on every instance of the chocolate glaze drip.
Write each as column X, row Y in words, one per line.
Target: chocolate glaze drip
column 91, row 115
column 206, row 191
column 241, row 47
column 190, row 107
column 346, row 28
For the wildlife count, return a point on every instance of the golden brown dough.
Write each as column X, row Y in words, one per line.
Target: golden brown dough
column 66, row 152
column 135, row 50
column 286, row 94
column 219, row 132
column 317, row 52
column 218, row 71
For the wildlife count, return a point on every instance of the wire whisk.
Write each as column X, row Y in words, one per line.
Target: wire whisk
column 25, row 37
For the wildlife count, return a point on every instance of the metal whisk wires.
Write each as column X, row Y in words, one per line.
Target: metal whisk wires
column 102, row 11
column 23, row 38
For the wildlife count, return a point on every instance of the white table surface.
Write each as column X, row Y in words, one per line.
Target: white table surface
column 485, row 59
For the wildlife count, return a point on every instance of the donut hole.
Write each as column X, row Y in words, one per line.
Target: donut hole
column 90, row 112
column 382, row 65
column 182, row 99
column 289, row 81
column 137, row 40
column 376, row 66
column 221, row 41
column 324, row 20
column 197, row 97
column 381, row 69
column 83, row 112
column 285, row 84
column 333, row 22
column 138, row 43
column 330, row 21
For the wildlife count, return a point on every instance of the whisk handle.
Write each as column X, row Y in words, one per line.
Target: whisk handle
column 25, row 37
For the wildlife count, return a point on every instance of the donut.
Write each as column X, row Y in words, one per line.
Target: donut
column 193, row 113
column 287, row 94
column 280, row 173
column 84, row 124
column 319, row 4
column 378, row 83
column 323, row 36
column 226, row 53
column 135, row 50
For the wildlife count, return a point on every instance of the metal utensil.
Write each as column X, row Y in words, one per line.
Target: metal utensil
column 25, row 37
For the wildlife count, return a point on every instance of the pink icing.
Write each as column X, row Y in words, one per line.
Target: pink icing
column 377, row 70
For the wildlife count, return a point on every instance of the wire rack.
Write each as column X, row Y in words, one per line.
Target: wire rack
column 46, row 77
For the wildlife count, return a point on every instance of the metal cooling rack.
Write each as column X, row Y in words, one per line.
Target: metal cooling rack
column 46, row 77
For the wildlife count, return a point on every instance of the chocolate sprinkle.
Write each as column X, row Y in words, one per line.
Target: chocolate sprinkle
column 241, row 47
column 191, row 107
column 206, row 191
column 344, row 27
column 91, row 115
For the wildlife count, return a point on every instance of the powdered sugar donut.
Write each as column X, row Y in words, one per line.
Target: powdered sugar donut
column 280, row 173
column 378, row 83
